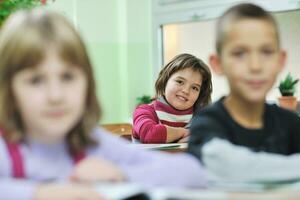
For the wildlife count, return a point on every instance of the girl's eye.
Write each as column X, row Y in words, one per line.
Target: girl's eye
column 36, row 80
column 180, row 82
column 195, row 89
column 68, row 76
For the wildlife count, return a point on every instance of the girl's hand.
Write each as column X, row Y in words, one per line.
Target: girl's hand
column 94, row 169
column 176, row 133
column 184, row 139
column 186, row 133
column 66, row 192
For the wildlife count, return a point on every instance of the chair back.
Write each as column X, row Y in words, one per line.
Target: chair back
column 123, row 130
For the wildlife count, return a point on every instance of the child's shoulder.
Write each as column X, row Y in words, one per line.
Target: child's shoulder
column 103, row 136
column 285, row 119
column 144, row 108
column 215, row 109
column 108, row 143
column 276, row 111
column 213, row 115
column 100, row 134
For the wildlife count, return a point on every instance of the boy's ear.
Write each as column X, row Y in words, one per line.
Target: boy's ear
column 214, row 62
column 282, row 59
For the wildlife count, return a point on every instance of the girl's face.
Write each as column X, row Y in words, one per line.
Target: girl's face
column 183, row 88
column 50, row 98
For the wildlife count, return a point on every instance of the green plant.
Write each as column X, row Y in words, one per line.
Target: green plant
column 145, row 99
column 287, row 85
column 9, row 6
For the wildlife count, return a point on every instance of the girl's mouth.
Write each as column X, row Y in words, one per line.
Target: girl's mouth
column 181, row 98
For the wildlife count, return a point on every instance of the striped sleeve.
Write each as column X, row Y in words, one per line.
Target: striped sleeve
column 146, row 126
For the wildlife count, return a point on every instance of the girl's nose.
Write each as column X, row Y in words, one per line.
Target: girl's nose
column 186, row 89
column 54, row 92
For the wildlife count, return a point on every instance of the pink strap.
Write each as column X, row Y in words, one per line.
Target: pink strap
column 17, row 159
column 78, row 157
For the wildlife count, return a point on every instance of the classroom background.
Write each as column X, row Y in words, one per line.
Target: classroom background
column 130, row 40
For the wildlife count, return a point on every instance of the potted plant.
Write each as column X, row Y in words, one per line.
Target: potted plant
column 9, row 6
column 287, row 88
column 145, row 99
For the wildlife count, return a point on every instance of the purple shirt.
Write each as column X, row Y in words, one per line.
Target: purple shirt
column 44, row 163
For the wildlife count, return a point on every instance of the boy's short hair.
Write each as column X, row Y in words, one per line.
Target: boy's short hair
column 240, row 12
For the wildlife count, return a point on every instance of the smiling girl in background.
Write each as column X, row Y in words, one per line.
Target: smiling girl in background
column 182, row 88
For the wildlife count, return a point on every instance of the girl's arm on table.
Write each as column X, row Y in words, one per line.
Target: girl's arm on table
column 145, row 124
column 151, row 168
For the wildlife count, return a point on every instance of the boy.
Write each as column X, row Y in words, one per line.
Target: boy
column 250, row 56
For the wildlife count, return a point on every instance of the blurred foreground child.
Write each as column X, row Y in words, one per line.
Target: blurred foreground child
column 249, row 54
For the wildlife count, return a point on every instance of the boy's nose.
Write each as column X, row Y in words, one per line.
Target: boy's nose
column 255, row 63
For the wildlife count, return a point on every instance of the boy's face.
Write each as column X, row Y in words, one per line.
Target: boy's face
column 50, row 98
column 250, row 58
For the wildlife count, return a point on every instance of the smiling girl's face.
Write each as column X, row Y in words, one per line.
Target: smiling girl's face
column 183, row 88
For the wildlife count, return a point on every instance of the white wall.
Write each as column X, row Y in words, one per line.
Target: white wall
column 118, row 38
column 289, row 25
column 198, row 38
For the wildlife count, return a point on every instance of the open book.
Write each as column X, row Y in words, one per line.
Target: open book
column 126, row 191
column 169, row 146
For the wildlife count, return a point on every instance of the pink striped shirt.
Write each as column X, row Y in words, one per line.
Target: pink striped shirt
column 149, row 121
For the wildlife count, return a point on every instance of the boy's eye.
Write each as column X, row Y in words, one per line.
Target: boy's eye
column 268, row 52
column 238, row 54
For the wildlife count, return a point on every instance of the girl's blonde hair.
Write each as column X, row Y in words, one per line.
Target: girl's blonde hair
column 180, row 62
column 24, row 40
